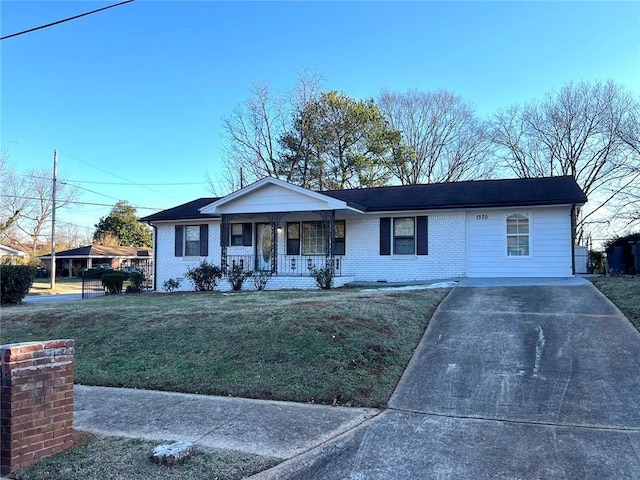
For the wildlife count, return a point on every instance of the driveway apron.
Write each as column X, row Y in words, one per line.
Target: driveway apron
column 507, row 383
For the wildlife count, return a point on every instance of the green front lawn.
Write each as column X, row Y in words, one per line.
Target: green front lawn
column 345, row 347
column 624, row 292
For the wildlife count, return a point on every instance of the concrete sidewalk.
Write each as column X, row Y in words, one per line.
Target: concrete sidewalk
column 272, row 429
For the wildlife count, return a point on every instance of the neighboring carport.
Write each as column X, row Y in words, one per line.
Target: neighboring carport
column 527, row 382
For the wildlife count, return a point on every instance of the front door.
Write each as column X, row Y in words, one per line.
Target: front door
column 264, row 247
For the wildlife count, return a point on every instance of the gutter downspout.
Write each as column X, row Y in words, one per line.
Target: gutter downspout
column 155, row 249
column 573, row 240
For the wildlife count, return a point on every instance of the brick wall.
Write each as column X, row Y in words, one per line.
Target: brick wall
column 36, row 402
column 362, row 262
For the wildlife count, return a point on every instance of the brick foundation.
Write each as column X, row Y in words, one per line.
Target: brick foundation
column 36, row 402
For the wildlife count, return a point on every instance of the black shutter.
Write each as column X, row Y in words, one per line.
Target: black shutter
column 204, row 240
column 423, row 237
column 385, row 236
column 247, row 234
column 179, row 241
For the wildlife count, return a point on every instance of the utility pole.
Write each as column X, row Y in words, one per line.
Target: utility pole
column 53, row 221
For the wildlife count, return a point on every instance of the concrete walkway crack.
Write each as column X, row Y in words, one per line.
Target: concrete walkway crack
column 518, row 422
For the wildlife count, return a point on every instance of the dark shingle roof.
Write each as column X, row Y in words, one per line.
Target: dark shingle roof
column 186, row 211
column 471, row 194
column 104, row 251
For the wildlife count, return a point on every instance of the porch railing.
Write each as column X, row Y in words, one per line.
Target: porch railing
column 288, row 265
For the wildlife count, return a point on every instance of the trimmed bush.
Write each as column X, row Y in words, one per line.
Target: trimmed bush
column 205, row 277
column 15, row 282
column 136, row 279
column 112, row 282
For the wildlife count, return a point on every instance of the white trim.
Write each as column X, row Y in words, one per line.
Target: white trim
column 11, row 252
column 332, row 203
column 529, row 215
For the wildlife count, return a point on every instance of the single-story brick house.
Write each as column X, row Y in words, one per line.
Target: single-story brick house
column 488, row 228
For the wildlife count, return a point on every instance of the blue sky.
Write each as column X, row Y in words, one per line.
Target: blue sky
column 137, row 93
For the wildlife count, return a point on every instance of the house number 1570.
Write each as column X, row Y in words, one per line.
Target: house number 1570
column 482, row 217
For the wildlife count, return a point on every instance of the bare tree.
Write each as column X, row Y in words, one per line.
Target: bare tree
column 31, row 195
column 254, row 129
column 587, row 130
column 442, row 139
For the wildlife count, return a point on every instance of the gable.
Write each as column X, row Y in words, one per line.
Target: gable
column 272, row 197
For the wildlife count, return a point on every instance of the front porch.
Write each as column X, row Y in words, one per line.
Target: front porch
column 286, row 265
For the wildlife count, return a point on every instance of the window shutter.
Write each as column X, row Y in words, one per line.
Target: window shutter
column 204, row 240
column 422, row 235
column 247, row 233
column 179, row 241
column 385, row 236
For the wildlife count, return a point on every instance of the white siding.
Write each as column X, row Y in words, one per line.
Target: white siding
column 549, row 242
column 273, row 198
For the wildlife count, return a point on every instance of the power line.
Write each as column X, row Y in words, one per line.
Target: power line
column 64, row 20
column 77, row 203
column 140, row 184
column 129, row 182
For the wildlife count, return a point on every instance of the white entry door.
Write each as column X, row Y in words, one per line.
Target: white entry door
column 264, row 246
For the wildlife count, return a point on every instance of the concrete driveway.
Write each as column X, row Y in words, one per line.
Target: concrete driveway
column 526, row 382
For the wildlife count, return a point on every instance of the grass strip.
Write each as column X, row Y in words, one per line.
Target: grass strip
column 624, row 292
column 115, row 458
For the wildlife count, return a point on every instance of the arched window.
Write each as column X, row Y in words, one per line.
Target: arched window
column 518, row 235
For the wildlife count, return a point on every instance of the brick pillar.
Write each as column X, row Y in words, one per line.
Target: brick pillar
column 36, row 402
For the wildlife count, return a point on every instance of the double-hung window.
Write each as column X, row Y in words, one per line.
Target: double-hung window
column 241, row 234
column 404, row 242
column 339, row 239
column 191, row 240
column 404, row 235
column 518, row 235
column 293, row 238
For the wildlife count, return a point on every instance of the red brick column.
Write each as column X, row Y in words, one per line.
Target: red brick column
column 36, row 402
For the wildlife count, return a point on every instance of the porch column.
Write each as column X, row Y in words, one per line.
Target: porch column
column 274, row 219
column 224, row 241
column 329, row 223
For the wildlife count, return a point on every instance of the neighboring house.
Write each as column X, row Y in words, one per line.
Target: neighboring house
column 489, row 228
column 10, row 255
column 73, row 262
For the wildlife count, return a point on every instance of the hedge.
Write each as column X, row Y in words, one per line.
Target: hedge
column 15, row 282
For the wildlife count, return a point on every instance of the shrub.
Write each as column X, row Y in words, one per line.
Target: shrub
column 260, row 279
column 136, row 279
column 15, row 282
column 237, row 275
column 171, row 285
column 112, row 282
column 323, row 277
column 205, row 277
